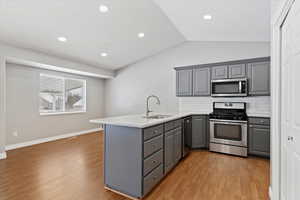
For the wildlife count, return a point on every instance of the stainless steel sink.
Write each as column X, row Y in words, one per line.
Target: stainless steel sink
column 158, row 116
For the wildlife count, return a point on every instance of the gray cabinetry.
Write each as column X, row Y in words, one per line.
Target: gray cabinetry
column 201, row 81
column 196, row 80
column 259, row 78
column 219, row 72
column 173, row 148
column 237, row 71
column 169, row 151
column 177, row 145
column 184, row 82
column 259, row 136
column 199, row 131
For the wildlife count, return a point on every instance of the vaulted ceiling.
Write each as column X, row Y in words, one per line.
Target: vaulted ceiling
column 37, row 25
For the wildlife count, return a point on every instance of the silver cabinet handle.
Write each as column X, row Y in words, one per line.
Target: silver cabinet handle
column 250, row 126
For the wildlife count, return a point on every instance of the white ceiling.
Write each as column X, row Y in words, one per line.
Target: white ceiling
column 232, row 20
column 36, row 24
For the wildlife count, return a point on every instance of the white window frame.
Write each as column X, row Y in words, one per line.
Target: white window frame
column 64, row 95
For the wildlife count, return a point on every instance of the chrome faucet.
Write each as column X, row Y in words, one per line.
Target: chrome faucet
column 147, row 108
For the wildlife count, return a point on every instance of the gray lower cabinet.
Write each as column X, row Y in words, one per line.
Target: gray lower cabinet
column 199, row 131
column 259, row 136
column 177, row 145
column 258, row 78
column 136, row 159
column 169, row 151
column 237, row 71
column 201, row 81
column 172, row 148
column 184, row 82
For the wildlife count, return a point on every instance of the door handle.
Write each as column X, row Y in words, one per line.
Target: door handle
column 290, row 138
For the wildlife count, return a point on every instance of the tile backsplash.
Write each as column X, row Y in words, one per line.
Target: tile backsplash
column 260, row 106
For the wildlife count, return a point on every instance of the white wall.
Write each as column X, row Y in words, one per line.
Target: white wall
column 22, row 110
column 9, row 53
column 2, row 103
column 256, row 106
column 126, row 93
column 25, row 55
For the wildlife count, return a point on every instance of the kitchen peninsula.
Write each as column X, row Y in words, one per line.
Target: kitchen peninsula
column 140, row 151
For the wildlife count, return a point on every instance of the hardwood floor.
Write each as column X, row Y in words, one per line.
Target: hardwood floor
column 72, row 169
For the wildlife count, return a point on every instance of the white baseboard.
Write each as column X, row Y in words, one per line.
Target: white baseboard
column 49, row 139
column 270, row 193
column 2, row 155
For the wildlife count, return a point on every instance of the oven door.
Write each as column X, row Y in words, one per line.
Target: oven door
column 228, row 132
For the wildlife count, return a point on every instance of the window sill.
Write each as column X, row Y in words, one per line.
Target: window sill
column 62, row 113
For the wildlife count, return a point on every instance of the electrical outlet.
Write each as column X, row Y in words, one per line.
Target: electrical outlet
column 15, row 133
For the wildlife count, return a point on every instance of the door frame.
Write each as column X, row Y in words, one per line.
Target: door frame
column 276, row 24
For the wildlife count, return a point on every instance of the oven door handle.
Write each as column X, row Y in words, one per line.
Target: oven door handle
column 229, row 123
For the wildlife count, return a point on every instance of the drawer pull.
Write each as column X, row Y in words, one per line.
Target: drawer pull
column 154, row 161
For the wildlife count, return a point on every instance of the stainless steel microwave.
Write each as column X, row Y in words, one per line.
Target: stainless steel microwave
column 229, row 88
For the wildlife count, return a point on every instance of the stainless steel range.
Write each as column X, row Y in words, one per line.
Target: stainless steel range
column 228, row 128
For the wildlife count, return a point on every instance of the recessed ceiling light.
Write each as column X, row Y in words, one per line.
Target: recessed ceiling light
column 141, row 35
column 207, row 17
column 62, row 39
column 103, row 54
column 103, row 8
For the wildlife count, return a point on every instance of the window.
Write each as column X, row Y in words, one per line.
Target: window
column 61, row 95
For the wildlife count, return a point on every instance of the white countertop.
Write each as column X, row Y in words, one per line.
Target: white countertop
column 138, row 121
column 268, row 115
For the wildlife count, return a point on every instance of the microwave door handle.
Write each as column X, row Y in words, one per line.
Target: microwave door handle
column 240, row 87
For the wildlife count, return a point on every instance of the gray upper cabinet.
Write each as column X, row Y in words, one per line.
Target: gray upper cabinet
column 259, row 78
column 195, row 80
column 237, row 71
column 184, row 82
column 219, row 72
column 199, row 131
column 201, row 82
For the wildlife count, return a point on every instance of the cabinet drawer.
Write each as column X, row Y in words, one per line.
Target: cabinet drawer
column 259, row 120
column 153, row 145
column 172, row 125
column 152, row 179
column 153, row 161
column 153, row 131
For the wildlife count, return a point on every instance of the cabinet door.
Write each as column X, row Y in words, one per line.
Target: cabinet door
column 199, row 132
column 219, row 72
column 259, row 78
column 237, row 71
column 177, row 145
column 184, row 82
column 259, row 140
column 201, row 82
column 169, row 151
